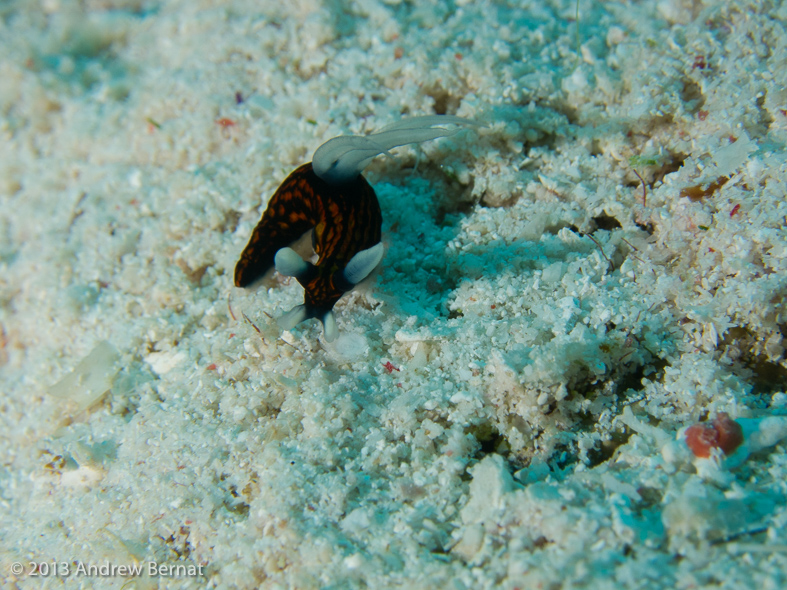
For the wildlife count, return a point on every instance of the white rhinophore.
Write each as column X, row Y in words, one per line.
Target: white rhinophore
column 363, row 263
column 289, row 263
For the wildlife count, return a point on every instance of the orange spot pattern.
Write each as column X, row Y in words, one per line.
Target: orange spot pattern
column 346, row 219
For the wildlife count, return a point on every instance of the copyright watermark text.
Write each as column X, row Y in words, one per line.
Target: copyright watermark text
column 65, row 569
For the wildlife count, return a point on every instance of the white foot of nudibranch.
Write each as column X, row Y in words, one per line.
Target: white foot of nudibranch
column 329, row 327
column 293, row 317
column 289, row 263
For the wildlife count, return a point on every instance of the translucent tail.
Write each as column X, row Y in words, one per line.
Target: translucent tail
column 341, row 159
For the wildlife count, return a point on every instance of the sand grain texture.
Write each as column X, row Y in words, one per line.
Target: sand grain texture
column 505, row 405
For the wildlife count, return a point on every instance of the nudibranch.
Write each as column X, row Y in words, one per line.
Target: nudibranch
column 330, row 197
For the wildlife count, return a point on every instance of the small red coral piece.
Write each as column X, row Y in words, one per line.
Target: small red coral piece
column 730, row 433
column 725, row 434
column 701, row 439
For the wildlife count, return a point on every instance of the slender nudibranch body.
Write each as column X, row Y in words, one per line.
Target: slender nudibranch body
column 330, row 197
column 346, row 220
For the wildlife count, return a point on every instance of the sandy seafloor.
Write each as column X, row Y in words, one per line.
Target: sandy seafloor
column 506, row 403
